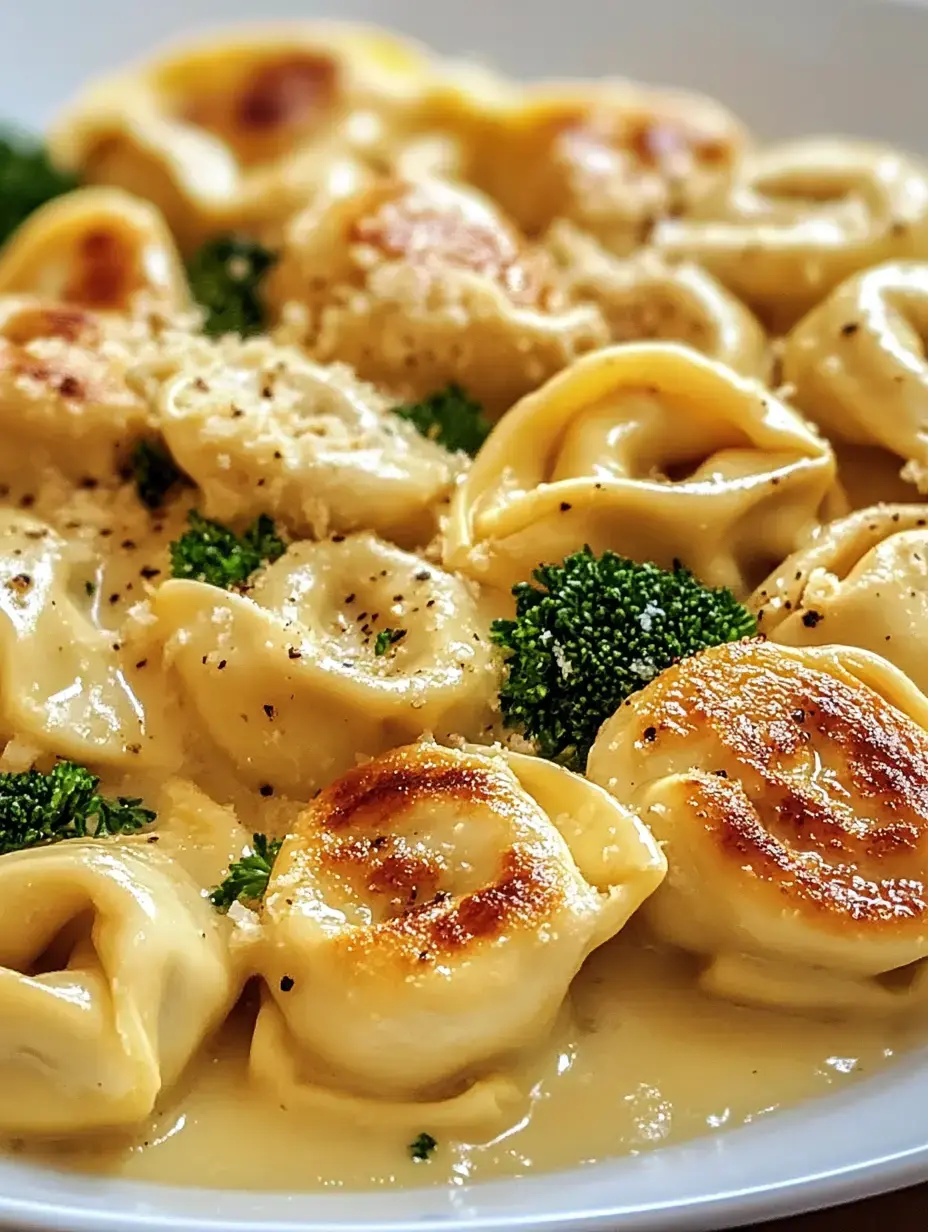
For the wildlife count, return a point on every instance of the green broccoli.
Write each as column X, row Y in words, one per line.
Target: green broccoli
column 27, row 180
column 450, row 417
column 210, row 552
column 38, row 808
column 155, row 473
column 595, row 630
column 225, row 277
column 247, row 879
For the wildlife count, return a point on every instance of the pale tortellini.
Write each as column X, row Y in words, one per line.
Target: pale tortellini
column 261, row 429
column 341, row 649
column 788, row 789
column 238, row 133
column 97, row 248
column 114, row 968
column 64, row 684
column 856, row 364
column 446, row 897
column 650, row 450
column 611, row 157
column 417, row 284
column 861, row 581
column 643, row 297
column 800, row 218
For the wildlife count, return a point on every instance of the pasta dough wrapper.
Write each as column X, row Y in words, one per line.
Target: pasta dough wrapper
column 447, row 897
column 800, row 218
column 643, row 297
column 861, row 581
column 788, row 788
column 288, row 681
column 97, row 248
column 856, row 364
column 612, row 157
column 238, row 132
column 113, row 970
column 650, row 450
column 261, row 429
column 62, row 683
column 418, row 284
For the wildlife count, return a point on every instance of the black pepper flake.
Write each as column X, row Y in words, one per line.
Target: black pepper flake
column 293, row 653
column 221, row 664
column 423, row 576
column 141, row 663
column 338, row 538
column 720, row 774
column 269, row 710
column 798, row 716
column 128, row 544
column 148, row 572
column 27, row 501
column 200, row 384
column 286, row 983
column 565, row 505
column 850, row 329
column 811, row 618
column 431, row 603
column 21, row 582
column 114, row 597
column 649, row 734
column 266, row 789
column 350, row 598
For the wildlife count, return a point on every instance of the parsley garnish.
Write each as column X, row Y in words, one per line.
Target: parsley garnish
column 247, row 879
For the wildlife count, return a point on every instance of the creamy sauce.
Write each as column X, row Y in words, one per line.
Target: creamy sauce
column 644, row 1060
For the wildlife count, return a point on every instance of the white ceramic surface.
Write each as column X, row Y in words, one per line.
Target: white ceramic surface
column 787, row 66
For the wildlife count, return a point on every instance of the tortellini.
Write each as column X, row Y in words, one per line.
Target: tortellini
column 856, row 364
column 261, row 429
column 861, row 581
column 800, row 218
column 642, row 297
column 237, row 134
column 97, row 248
column 341, row 649
column 63, row 683
column 612, row 158
column 114, row 968
column 788, row 789
column 421, row 283
column 446, row 897
column 650, row 450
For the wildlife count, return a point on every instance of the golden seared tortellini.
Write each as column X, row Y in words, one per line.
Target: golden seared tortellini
column 650, row 450
column 800, row 218
column 788, row 788
column 861, row 581
column 340, row 650
column 420, row 283
column 643, row 297
column 63, row 683
column 856, row 364
column 611, row 157
column 262, row 429
column 238, row 133
column 97, row 248
column 443, row 896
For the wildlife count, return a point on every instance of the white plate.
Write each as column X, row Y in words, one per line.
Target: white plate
column 795, row 66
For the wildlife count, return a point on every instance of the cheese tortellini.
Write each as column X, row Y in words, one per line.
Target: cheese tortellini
column 261, row 429
column 447, row 897
column 341, row 649
column 800, row 218
column 417, row 284
column 652, row 451
column 856, row 364
column 788, row 788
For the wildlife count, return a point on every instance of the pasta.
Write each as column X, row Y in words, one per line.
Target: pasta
column 651, row 451
column 782, row 778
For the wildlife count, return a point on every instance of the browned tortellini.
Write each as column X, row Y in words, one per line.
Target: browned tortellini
column 97, row 248
column 612, row 157
column 861, row 581
column 262, row 429
column 650, row 450
column 643, row 297
column 238, row 132
column 800, row 218
column 418, row 284
column 856, row 364
column 789, row 789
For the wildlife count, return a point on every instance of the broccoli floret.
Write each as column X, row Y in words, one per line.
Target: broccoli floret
column 210, row 552
column 247, row 879
column 155, row 473
column 595, row 630
column 38, row 808
column 225, row 278
column 450, row 417
column 27, row 180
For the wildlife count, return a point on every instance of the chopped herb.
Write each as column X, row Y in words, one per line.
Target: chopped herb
column 247, row 879
column 91, row 588
column 422, row 1148
column 155, row 473
column 451, row 418
column 225, row 277
column 210, row 552
column 27, row 180
column 387, row 638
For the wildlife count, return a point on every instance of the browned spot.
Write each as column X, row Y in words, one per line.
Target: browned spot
column 664, row 142
column 385, row 865
column 106, row 271
column 69, row 324
column 288, row 93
